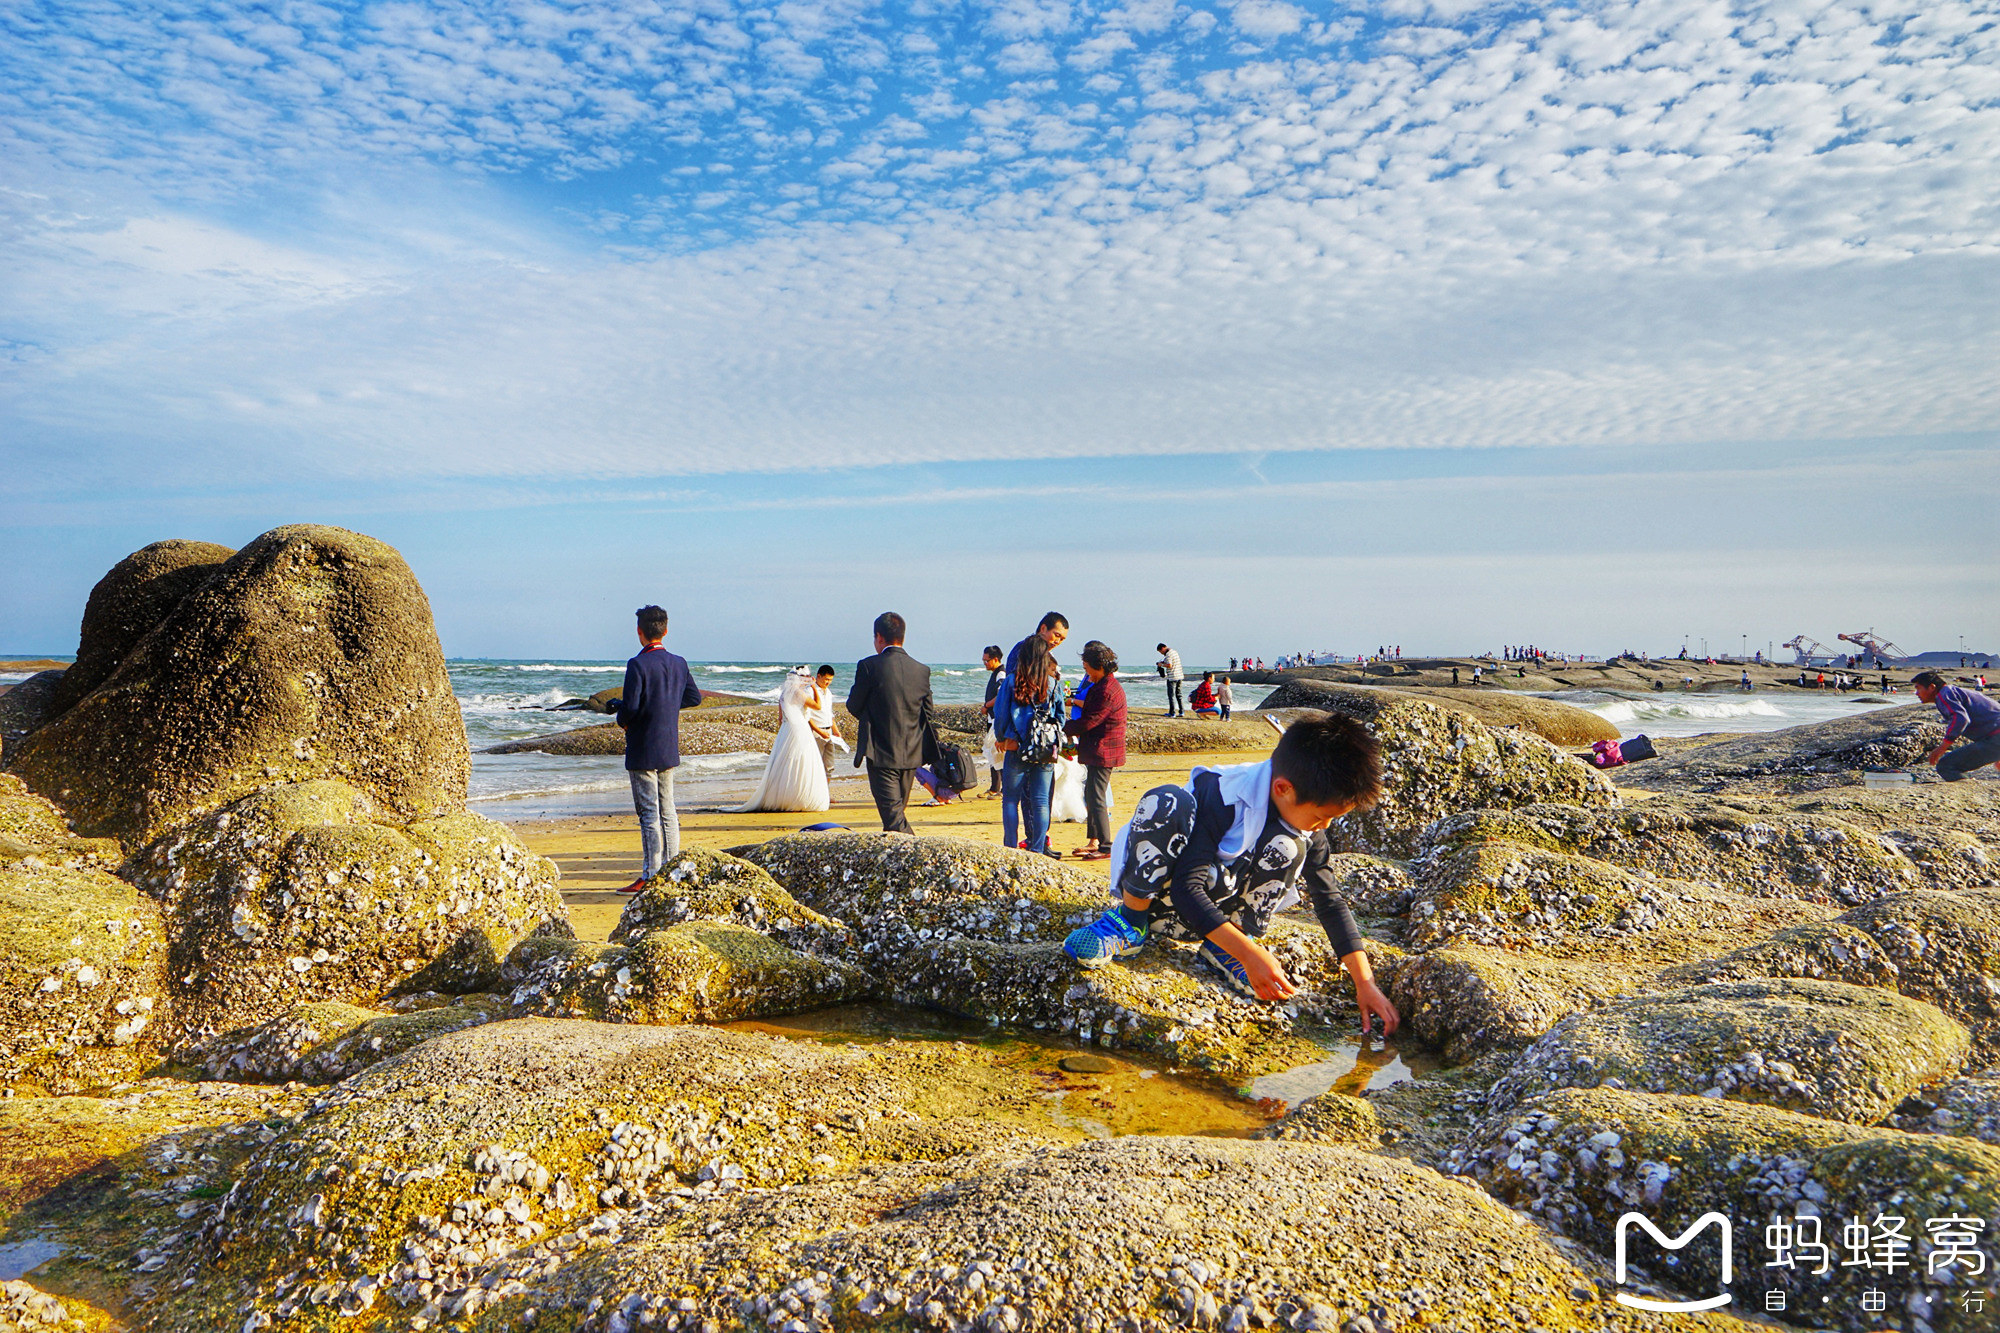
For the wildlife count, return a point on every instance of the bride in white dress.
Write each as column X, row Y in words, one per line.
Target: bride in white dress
column 795, row 776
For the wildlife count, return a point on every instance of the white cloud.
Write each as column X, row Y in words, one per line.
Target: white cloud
column 1266, row 18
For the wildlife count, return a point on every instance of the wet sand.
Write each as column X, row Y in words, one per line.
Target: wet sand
column 599, row 853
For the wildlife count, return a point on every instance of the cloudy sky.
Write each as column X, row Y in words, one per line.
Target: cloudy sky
column 1251, row 325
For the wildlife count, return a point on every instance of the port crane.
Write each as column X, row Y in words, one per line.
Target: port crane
column 1879, row 649
column 1805, row 649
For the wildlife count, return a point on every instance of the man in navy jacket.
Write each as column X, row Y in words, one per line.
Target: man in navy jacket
column 657, row 686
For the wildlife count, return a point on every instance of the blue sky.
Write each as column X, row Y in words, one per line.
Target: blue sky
column 1247, row 325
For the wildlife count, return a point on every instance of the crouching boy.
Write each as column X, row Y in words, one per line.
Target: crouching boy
column 1229, row 851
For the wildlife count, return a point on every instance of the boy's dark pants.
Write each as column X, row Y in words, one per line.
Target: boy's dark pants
column 1163, row 823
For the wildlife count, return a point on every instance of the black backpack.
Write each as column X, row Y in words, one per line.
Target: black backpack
column 955, row 767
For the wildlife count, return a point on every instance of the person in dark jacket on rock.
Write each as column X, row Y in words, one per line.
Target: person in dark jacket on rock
column 1966, row 713
column 657, row 686
column 1100, row 745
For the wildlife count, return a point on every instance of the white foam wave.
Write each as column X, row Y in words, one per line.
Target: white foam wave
column 735, row 670
column 1620, row 711
column 570, row 667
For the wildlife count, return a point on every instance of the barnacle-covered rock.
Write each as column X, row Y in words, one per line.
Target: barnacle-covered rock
column 702, row 885
column 901, row 895
column 132, row 599
column 309, row 654
column 1551, row 719
column 402, row 1187
column 81, row 986
column 329, row 1042
column 1467, row 1000
column 296, row 894
column 1436, row 762
column 696, row 971
column 34, row 833
column 1578, row 1160
column 1819, row 1047
column 25, row 1308
column 1753, row 849
column 1942, row 948
column 26, row 707
column 698, row 735
column 1331, row 1117
column 1968, row 1106
column 1373, row 885
column 1878, row 738
column 1173, row 1232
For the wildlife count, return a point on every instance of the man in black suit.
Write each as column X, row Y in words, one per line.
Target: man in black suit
column 891, row 700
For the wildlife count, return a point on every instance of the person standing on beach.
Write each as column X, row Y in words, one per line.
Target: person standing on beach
column 1100, row 744
column 657, row 686
column 1169, row 667
column 1031, row 693
column 1052, row 629
column 1225, row 698
column 819, row 716
column 996, row 667
column 1966, row 713
column 891, row 700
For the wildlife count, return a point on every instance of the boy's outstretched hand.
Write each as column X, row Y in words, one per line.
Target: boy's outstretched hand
column 1267, row 978
column 1374, row 1004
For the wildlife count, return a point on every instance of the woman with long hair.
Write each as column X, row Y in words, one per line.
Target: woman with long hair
column 1027, row 712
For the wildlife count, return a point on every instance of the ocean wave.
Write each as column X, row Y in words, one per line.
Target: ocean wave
column 707, row 670
column 1645, row 710
column 568, row 667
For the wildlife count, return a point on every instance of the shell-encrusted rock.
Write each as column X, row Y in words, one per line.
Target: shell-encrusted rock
column 33, row 831
column 1819, row 1047
column 295, row 894
column 702, row 885
column 1578, row 1160
column 82, row 998
column 696, row 971
column 326, row 1043
column 1468, row 1000
column 308, row 654
column 1564, row 724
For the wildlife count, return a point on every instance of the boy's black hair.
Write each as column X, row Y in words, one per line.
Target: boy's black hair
column 1160, row 647
column 891, row 627
column 824, row 671
column 1930, row 678
column 1053, row 620
column 652, row 622
column 1329, row 759
column 1098, row 656
column 992, row 650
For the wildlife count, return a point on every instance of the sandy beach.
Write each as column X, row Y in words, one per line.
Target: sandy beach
column 599, row 853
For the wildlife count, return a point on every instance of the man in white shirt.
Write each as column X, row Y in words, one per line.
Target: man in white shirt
column 1170, row 667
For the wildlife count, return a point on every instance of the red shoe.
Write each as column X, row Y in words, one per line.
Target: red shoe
column 636, row 886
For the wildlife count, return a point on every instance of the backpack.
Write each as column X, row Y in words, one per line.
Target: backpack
column 1045, row 738
column 955, row 767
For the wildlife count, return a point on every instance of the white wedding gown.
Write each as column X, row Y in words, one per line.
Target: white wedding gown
column 795, row 776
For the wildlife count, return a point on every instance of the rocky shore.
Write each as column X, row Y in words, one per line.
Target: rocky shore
column 293, row 1041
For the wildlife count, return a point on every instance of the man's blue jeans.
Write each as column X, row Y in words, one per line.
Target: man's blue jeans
column 1026, row 794
column 1957, row 764
column 659, row 822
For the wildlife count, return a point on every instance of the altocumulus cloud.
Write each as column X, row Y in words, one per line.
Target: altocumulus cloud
column 605, row 240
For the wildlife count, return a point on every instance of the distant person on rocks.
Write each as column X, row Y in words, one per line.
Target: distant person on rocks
column 1745, row 684
column 1203, row 698
column 1169, row 667
column 891, row 700
column 1225, row 697
column 996, row 667
column 1100, row 745
column 1454, row 675
column 1966, row 713
column 657, row 686
column 1229, row 851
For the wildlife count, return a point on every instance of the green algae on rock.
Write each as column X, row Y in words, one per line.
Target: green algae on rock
column 330, row 1042
column 295, row 894
column 696, row 971
column 308, row 654
column 1579, row 1159
column 1168, row 1233
column 81, row 981
column 701, row 885
column 1818, row 1047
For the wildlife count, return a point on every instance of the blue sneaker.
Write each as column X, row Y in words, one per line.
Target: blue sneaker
column 1233, row 976
column 1110, row 936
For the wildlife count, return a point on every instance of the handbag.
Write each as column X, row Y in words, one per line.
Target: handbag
column 1045, row 738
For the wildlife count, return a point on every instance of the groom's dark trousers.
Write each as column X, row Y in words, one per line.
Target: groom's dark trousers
column 891, row 702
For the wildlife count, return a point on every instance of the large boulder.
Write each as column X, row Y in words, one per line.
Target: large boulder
column 1579, row 1160
column 1466, row 1001
column 1818, row 1047
column 33, row 832
column 698, row 736
column 81, row 984
column 25, row 707
column 1437, row 762
column 694, row 972
column 1755, row 849
column 697, row 884
column 1941, row 948
column 137, row 594
column 395, row 1188
column 308, row 891
column 1552, row 720
column 1138, row 1233
column 308, row 654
